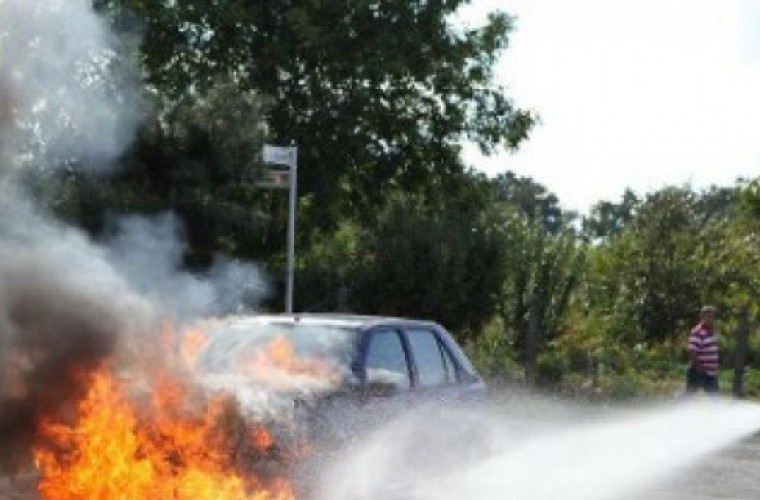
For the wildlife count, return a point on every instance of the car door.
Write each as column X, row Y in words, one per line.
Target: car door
column 434, row 371
column 384, row 381
column 386, row 364
column 436, row 374
column 386, row 375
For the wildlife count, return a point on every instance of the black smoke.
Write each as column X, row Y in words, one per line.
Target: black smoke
column 70, row 98
column 52, row 332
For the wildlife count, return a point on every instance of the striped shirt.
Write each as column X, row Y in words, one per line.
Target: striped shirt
column 704, row 343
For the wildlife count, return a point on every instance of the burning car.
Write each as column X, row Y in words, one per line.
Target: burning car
column 331, row 377
column 248, row 410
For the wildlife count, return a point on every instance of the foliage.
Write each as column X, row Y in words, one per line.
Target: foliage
column 424, row 262
column 493, row 352
column 377, row 94
column 543, row 270
column 327, row 270
column 608, row 219
column 198, row 159
column 532, row 201
column 638, row 293
column 652, row 276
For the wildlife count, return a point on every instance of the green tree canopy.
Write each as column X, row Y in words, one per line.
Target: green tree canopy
column 680, row 248
column 608, row 218
column 377, row 94
column 531, row 201
column 424, row 261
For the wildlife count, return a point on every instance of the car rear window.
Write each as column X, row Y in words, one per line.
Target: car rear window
column 293, row 347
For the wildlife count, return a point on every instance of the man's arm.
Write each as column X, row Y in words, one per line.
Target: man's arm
column 694, row 359
column 693, row 348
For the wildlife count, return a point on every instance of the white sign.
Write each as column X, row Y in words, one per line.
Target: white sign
column 280, row 155
column 275, row 179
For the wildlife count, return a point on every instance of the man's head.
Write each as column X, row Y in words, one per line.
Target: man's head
column 707, row 315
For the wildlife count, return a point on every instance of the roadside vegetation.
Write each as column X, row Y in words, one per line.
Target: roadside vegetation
column 379, row 97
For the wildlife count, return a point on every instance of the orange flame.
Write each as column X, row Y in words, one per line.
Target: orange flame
column 162, row 449
column 192, row 342
column 280, row 356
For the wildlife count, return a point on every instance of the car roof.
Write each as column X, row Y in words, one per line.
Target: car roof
column 355, row 321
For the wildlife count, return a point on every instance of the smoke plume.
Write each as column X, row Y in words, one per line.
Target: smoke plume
column 69, row 98
column 62, row 309
column 150, row 249
column 66, row 93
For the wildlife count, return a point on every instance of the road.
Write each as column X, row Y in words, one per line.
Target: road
column 729, row 475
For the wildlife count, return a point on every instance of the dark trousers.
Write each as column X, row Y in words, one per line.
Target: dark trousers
column 697, row 380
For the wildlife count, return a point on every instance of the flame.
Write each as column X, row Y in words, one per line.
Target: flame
column 143, row 433
column 193, row 340
column 280, row 356
column 175, row 445
column 261, row 437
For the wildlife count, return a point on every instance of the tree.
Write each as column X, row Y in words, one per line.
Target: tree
column 676, row 252
column 422, row 261
column 377, row 94
column 198, row 159
column 532, row 201
column 543, row 270
column 543, row 263
column 608, row 219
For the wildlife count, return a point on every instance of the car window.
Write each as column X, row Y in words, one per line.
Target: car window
column 386, row 361
column 281, row 355
column 428, row 357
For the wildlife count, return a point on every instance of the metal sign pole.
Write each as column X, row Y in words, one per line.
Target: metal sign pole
column 291, row 234
column 285, row 156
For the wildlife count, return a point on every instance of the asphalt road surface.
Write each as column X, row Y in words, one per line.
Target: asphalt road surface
column 733, row 474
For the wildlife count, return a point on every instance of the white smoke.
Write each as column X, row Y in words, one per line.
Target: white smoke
column 150, row 250
column 70, row 98
column 62, row 305
column 67, row 96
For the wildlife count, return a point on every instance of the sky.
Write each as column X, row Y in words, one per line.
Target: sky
column 633, row 94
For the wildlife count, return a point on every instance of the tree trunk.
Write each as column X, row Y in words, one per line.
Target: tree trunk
column 740, row 354
column 531, row 344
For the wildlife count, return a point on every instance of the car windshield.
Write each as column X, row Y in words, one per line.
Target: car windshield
column 281, row 349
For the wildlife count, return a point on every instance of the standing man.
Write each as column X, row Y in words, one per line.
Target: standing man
column 703, row 353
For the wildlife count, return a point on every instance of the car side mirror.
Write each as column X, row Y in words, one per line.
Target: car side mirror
column 383, row 382
column 380, row 388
